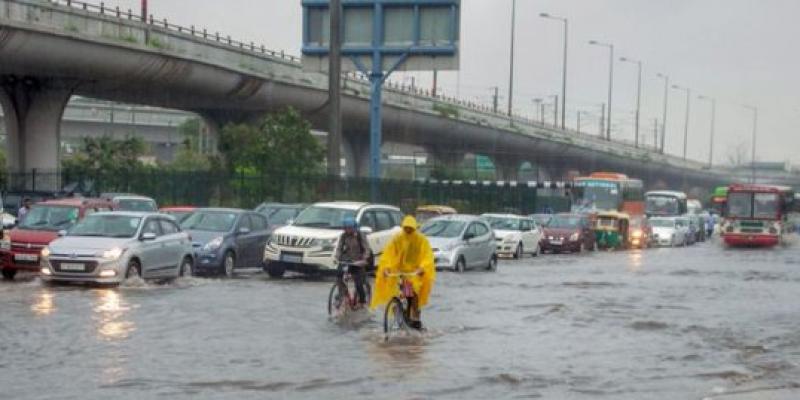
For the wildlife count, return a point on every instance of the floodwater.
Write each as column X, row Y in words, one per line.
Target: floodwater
column 694, row 323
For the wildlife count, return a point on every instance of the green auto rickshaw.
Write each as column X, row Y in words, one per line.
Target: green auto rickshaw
column 611, row 230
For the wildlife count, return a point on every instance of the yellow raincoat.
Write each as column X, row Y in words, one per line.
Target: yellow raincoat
column 405, row 253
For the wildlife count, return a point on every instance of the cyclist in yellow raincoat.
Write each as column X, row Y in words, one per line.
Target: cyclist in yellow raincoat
column 408, row 252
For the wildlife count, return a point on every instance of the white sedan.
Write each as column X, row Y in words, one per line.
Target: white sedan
column 515, row 235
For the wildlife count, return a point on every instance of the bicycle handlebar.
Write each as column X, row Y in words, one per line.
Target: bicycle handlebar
column 402, row 274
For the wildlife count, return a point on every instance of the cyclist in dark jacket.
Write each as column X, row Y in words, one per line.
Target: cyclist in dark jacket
column 353, row 250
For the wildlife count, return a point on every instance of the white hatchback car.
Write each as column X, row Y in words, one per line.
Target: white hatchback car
column 308, row 244
column 515, row 235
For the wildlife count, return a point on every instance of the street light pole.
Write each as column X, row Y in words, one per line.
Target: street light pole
column 334, row 90
column 753, row 149
column 713, row 121
column 638, row 95
column 511, row 73
column 563, row 68
column 686, row 125
column 610, row 81
column 664, row 116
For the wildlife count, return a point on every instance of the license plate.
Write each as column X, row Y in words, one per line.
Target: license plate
column 556, row 242
column 26, row 257
column 292, row 258
column 72, row 267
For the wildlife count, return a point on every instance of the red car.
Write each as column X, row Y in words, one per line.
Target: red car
column 179, row 212
column 20, row 248
column 568, row 232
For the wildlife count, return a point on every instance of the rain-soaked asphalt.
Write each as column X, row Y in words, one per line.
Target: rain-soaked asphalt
column 694, row 323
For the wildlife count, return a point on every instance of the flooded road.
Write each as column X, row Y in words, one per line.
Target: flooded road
column 694, row 323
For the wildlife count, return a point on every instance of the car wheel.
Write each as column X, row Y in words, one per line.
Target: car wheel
column 228, row 264
column 187, row 266
column 461, row 265
column 275, row 270
column 8, row 274
column 519, row 252
column 492, row 264
column 134, row 270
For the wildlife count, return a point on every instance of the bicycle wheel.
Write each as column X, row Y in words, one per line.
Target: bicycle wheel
column 394, row 317
column 336, row 299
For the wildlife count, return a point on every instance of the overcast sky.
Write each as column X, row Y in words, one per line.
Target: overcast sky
column 739, row 51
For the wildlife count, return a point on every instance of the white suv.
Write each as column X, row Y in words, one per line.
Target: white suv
column 308, row 244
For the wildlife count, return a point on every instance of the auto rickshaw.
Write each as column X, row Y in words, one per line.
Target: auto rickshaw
column 611, row 230
column 425, row 213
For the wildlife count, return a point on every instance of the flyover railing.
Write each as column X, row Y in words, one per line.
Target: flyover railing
column 262, row 50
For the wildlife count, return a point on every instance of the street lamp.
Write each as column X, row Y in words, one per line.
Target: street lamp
column 511, row 73
column 563, row 68
column 638, row 94
column 713, row 120
column 664, row 116
column 686, row 126
column 555, row 109
column 610, row 80
column 753, row 150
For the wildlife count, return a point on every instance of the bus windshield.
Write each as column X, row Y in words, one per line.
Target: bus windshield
column 753, row 205
column 662, row 205
column 597, row 195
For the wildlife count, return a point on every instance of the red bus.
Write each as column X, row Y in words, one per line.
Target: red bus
column 756, row 215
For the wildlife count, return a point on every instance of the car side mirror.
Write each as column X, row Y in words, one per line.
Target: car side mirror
column 365, row 230
column 148, row 237
column 62, row 233
column 244, row 230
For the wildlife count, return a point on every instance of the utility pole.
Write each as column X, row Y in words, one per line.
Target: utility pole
column 511, row 74
column 495, row 98
column 144, row 10
column 664, row 115
column 610, row 80
column 541, row 114
column 578, row 126
column 334, row 90
column 435, row 82
column 686, row 123
column 638, row 95
column 602, row 119
column 563, row 68
column 655, row 134
column 555, row 111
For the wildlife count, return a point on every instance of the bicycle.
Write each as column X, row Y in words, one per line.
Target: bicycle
column 341, row 297
column 397, row 315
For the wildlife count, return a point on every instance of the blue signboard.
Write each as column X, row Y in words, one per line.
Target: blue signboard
column 380, row 37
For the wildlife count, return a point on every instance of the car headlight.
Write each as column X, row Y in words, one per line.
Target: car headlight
column 213, row 245
column 112, row 254
column 636, row 234
column 575, row 236
column 45, row 252
column 5, row 245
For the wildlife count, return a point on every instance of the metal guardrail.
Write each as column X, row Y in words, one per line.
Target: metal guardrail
column 261, row 50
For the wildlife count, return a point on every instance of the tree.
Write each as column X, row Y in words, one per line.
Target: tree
column 280, row 143
column 106, row 161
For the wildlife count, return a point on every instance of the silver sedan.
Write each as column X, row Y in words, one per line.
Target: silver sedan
column 460, row 242
column 110, row 247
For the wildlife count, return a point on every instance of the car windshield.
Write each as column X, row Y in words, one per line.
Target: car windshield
column 212, row 221
column 50, row 218
column 561, row 222
column 107, row 225
column 138, row 205
column 423, row 216
column 504, row 224
column 542, row 219
column 281, row 216
column 443, row 228
column 323, row 217
column 662, row 223
column 662, row 205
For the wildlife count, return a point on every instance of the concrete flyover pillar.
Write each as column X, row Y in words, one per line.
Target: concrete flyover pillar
column 507, row 167
column 449, row 163
column 33, row 109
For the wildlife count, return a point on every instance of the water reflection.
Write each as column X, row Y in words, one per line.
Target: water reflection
column 44, row 304
column 400, row 357
column 635, row 261
column 110, row 314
